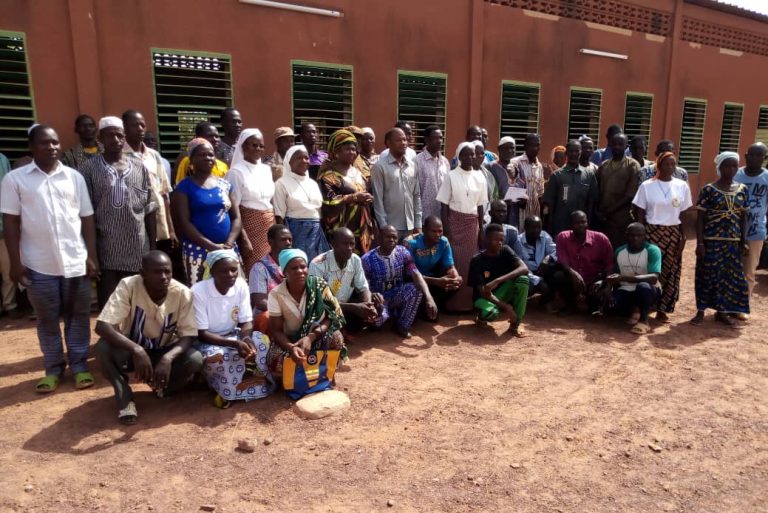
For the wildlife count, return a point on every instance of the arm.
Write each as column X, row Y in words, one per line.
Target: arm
column 700, row 249
column 259, row 301
column 378, row 188
column 444, row 214
column 12, row 230
column 640, row 213
column 236, row 223
column 418, row 279
column 417, row 211
column 88, row 229
column 180, row 207
column 141, row 362
column 520, row 270
column 150, row 223
column 169, row 220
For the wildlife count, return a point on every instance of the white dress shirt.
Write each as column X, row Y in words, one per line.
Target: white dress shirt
column 297, row 197
column 252, row 185
column 464, row 191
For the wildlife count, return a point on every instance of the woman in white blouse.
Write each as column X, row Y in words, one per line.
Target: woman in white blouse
column 463, row 194
column 297, row 203
column 253, row 187
column 660, row 202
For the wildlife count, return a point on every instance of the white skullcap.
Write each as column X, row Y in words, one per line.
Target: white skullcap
column 109, row 121
column 507, row 140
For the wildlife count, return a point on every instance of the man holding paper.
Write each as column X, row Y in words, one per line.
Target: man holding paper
column 572, row 188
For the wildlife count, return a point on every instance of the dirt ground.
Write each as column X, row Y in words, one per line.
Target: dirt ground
column 581, row 416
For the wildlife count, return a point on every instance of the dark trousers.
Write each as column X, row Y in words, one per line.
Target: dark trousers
column 644, row 297
column 116, row 363
column 108, row 283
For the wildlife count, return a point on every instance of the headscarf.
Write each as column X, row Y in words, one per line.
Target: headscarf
column 32, row 127
column 338, row 138
column 506, row 140
column 555, row 150
column 194, row 143
column 463, row 145
column 478, row 144
column 289, row 155
column 368, row 130
column 585, row 138
column 661, row 158
column 110, row 121
column 237, row 156
column 217, row 255
column 726, row 155
column 289, row 254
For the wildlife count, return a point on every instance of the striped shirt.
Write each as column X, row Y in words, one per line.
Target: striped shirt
column 121, row 200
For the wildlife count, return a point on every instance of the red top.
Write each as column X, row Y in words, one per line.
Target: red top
column 592, row 259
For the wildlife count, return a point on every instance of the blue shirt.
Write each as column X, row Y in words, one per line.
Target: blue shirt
column 208, row 208
column 533, row 254
column 603, row 154
column 432, row 261
column 757, row 202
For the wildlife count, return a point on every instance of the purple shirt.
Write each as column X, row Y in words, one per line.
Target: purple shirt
column 592, row 259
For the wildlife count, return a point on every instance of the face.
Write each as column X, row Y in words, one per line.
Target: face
column 532, row 147
column 232, row 124
column 397, row 143
column 157, row 277
column 283, row 240
column 224, row 273
column 408, row 131
column 728, row 169
column 368, row 143
column 253, row 148
column 150, row 140
column 506, row 152
column 435, row 141
column 484, row 136
column 86, row 129
column 533, row 229
column 112, row 138
column 587, row 149
column 388, row 239
column 296, row 272
column 560, row 158
column 494, row 242
column 635, row 238
column 579, row 225
column 346, row 153
column 343, row 245
column 135, row 128
column 45, row 147
column 668, row 166
column 499, row 213
column 300, row 162
column 572, row 154
column 618, row 146
column 433, row 232
column 755, row 157
column 467, row 158
column 638, row 148
column 283, row 143
column 474, row 134
column 211, row 134
column 309, row 135
column 479, row 156
column 203, row 158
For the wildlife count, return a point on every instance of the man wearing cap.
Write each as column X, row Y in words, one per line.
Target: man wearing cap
column 284, row 139
column 124, row 207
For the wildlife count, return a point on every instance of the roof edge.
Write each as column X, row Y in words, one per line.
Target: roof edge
column 729, row 9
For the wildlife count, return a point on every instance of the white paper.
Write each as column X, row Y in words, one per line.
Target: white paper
column 516, row 193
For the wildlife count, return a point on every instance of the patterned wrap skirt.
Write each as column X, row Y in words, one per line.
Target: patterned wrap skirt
column 720, row 281
column 232, row 377
column 464, row 232
column 255, row 226
column 668, row 239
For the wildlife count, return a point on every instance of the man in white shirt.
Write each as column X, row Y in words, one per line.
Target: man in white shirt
column 51, row 239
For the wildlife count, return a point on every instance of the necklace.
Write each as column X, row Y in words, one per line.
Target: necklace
column 665, row 192
column 309, row 199
column 636, row 264
column 466, row 180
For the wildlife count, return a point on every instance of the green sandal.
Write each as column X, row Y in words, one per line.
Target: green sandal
column 83, row 380
column 47, row 385
column 220, row 402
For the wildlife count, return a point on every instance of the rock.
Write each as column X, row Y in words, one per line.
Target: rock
column 322, row 404
column 208, row 507
column 390, row 503
column 655, row 448
column 268, row 441
column 514, row 465
column 28, row 488
column 569, row 438
column 245, row 445
column 103, row 484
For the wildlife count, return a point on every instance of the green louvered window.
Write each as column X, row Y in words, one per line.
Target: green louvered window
column 519, row 111
column 189, row 88
column 421, row 101
column 584, row 113
column 730, row 131
column 692, row 133
column 762, row 125
column 17, row 108
column 638, row 111
column 322, row 95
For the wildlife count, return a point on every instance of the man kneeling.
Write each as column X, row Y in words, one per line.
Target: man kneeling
column 635, row 285
column 148, row 326
column 495, row 290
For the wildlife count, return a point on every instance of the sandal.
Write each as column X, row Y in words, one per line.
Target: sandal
column 517, row 331
column 128, row 415
column 640, row 328
column 220, row 402
column 83, row 380
column 47, row 384
column 725, row 319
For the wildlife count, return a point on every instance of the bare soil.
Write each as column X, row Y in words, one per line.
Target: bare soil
column 581, row 416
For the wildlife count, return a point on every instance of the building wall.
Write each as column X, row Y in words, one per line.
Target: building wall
column 94, row 56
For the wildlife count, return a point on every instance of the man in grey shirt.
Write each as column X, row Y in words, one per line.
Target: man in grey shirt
column 396, row 195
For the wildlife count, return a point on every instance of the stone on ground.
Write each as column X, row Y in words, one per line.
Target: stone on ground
column 322, row 404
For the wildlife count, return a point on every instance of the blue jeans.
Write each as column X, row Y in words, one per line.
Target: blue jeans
column 54, row 297
column 644, row 297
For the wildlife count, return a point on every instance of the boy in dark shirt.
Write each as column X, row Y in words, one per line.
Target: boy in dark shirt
column 500, row 282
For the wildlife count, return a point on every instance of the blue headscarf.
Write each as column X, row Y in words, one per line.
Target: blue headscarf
column 289, row 254
column 215, row 256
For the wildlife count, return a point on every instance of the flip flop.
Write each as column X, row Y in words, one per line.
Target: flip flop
column 640, row 328
column 220, row 402
column 83, row 380
column 128, row 415
column 517, row 331
column 47, row 384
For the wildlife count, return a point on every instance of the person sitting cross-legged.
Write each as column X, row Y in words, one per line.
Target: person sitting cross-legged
column 148, row 326
column 538, row 251
column 433, row 257
column 635, row 284
column 343, row 271
column 499, row 280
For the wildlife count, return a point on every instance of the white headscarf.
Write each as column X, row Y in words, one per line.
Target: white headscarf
column 367, row 130
column 463, row 145
column 478, row 144
column 726, row 155
column 289, row 155
column 110, row 121
column 237, row 156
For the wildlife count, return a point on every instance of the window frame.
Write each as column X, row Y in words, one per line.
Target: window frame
column 705, row 103
column 597, row 134
column 726, row 105
column 640, row 94
column 418, row 134
column 10, row 152
column 519, row 148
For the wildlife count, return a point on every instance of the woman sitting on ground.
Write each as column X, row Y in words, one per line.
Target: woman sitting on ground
column 266, row 275
column 234, row 355
column 303, row 314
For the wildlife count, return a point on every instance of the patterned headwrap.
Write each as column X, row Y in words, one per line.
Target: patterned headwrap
column 555, row 150
column 289, row 155
column 237, row 156
column 661, row 158
column 289, row 254
column 338, row 138
column 217, row 255
column 194, row 143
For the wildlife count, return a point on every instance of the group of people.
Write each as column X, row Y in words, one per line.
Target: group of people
column 232, row 260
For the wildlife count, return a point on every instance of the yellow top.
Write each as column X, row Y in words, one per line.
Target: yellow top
column 220, row 169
